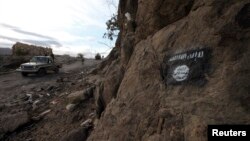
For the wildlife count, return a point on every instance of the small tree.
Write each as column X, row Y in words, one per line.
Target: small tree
column 112, row 28
column 98, row 56
column 80, row 55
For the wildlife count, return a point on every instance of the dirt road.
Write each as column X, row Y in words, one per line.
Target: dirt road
column 11, row 84
column 51, row 88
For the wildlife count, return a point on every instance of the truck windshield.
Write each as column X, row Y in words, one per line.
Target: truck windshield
column 39, row 59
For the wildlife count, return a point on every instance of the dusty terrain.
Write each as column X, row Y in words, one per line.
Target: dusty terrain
column 34, row 108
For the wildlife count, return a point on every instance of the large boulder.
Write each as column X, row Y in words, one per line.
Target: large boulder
column 79, row 96
column 9, row 123
column 76, row 97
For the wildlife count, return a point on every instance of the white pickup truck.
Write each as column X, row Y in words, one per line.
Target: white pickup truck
column 39, row 65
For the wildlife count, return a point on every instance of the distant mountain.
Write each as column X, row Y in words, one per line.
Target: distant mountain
column 5, row 51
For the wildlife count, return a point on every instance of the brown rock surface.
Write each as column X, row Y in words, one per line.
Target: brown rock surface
column 76, row 97
column 147, row 109
column 9, row 123
column 76, row 135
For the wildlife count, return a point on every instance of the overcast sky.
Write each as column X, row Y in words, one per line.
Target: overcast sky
column 68, row 26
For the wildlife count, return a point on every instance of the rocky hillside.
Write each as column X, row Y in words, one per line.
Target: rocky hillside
column 177, row 67
column 21, row 49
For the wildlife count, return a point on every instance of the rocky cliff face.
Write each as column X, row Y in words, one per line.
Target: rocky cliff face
column 136, row 99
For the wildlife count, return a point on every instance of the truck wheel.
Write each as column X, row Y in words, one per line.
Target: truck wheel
column 24, row 74
column 41, row 72
column 56, row 70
